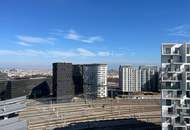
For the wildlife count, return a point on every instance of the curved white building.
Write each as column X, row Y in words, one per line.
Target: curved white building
column 95, row 80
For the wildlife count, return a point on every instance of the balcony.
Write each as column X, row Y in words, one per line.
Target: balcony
column 176, row 59
column 172, row 77
column 171, row 70
column 170, row 85
column 170, row 50
column 185, row 114
column 172, row 96
column 185, row 106
column 171, row 103
column 187, row 121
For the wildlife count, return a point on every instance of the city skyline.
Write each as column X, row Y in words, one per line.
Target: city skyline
column 38, row 33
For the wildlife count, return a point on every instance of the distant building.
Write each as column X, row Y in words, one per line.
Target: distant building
column 95, row 80
column 129, row 79
column 175, row 81
column 149, row 78
column 3, row 76
column 63, row 85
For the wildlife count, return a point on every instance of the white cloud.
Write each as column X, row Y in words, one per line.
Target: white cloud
column 104, row 53
column 92, row 39
column 29, row 40
column 54, row 53
column 23, row 44
column 20, row 53
column 181, row 30
column 84, row 52
column 61, row 53
column 73, row 35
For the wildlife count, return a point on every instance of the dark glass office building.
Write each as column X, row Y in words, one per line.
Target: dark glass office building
column 78, row 78
column 63, row 85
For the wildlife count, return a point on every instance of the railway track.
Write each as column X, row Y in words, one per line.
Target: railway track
column 48, row 116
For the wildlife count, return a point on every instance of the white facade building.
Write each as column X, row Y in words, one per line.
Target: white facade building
column 175, row 77
column 95, row 80
column 129, row 79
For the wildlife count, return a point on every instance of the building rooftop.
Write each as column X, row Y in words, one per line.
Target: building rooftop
column 95, row 64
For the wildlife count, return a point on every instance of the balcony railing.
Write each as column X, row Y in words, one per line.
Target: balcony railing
column 169, row 52
column 185, row 114
column 172, row 78
column 172, row 96
column 171, row 87
column 185, row 105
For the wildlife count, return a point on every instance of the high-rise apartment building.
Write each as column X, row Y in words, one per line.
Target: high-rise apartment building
column 63, row 86
column 149, row 78
column 95, row 80
column 175, row 83
column 129, row 79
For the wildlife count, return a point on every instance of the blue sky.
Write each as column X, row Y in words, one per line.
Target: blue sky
column 39, row 32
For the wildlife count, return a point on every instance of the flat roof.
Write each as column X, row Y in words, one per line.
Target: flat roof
column 12, row 101
column 61, row 63
column 174, row 43
column 94, row 64
column 13, row 108
column 13, row 124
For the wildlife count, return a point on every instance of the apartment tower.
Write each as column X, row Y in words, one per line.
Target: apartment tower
column 175, row 84
column 129, row 79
